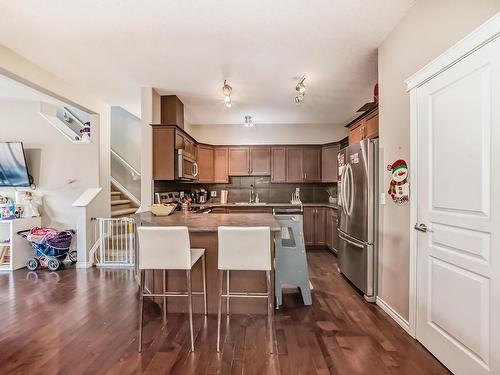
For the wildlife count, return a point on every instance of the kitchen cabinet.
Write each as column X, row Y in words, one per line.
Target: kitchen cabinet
column 311, row 164
column 239, row 161
column 329, row 163
column 278, row 164
column 250, row 210
column 294, row 164
column 163, row 153
column 260, row 161
column 331, row 231
column 205, row 162
column 315, row 226
column 371, row 125
column 221, row 165
column 249, row 161
column 184, row 142
column 303, row 164
column 365, row 127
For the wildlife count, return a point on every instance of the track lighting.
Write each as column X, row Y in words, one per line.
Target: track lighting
column 248, row 122
column 226, row 90
column 301, row 90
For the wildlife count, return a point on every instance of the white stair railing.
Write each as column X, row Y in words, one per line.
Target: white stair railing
column 116, row 239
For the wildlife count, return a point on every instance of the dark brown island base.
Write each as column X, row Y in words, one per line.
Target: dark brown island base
column 203, row 234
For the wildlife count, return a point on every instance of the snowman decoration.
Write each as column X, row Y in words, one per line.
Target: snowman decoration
column 399, row 189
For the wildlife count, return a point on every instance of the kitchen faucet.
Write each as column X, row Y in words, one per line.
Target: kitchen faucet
column 252, row 194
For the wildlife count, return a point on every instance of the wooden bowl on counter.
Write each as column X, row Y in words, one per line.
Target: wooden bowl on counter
column 162, row 209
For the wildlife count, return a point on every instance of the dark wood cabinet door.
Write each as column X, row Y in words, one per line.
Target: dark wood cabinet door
column 335, row 231
column 311, row 164
column 205, row 163
column 221, row 165
column 260, row 161
column 329, row 163
column 332, row 236
column 371, row 125
column 320, row 225
column 294, row 164
column 309, row 231
column 356, row 132
column 329, row 230
column 278, row 164
column 163, row 153
column 239, row 161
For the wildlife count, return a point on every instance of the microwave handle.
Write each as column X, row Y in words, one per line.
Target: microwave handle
column 195, row 169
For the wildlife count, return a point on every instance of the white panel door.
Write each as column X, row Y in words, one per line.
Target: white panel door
column 458, row 258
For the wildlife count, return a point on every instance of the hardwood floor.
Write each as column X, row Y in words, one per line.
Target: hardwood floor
column 80, row 321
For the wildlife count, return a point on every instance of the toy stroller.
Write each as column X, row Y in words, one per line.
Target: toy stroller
column 51, row 247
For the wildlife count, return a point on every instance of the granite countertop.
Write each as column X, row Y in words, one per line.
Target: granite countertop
column 268, row 204
column 208, row 222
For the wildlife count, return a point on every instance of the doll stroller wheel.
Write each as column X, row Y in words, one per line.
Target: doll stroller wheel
column 72, row 256
column 53, row 264
column 32, row 264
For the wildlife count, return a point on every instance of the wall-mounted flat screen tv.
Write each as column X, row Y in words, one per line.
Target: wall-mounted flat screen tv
column 13, row 168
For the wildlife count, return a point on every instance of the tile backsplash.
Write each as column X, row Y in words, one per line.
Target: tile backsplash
column 239, row 189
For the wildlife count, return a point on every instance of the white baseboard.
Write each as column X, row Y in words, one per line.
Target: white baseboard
column 393, row 314
column 83, row 264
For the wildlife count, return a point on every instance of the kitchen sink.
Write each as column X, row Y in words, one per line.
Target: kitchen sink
column 249, row 204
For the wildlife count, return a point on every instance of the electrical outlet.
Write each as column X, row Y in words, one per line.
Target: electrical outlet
column 213, row 194
column 382, row 198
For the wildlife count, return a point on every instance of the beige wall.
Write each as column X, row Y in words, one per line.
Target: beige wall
column 429, row 28
column 267, row 134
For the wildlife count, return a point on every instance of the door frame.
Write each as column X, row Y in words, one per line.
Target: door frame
column 479, row 37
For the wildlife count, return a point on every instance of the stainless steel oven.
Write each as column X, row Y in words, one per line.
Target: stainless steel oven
column 186, row 168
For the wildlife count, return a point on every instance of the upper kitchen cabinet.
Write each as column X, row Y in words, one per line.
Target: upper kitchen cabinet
column 221, row 172
column 311, row 163
column 294, row 164
column 303, row 164
column 239, row 161
column 163, row 153
column 329, row 162
column 364, row 126
column 186, row 143
column 249, row 161
column 205, row 163
column 278, row 164
column 260, row 161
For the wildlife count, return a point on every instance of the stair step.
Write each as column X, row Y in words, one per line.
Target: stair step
column 115, row 193
column 123, row 212
column 118, row 202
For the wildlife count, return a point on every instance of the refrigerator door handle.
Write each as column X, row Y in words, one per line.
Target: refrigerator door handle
column 351, row 189
column 359, row 246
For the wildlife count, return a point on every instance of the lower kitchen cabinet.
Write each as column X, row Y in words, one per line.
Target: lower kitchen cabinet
column 332, row 234
column 315, row 226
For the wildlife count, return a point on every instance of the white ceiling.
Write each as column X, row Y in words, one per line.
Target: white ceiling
column 188, row 47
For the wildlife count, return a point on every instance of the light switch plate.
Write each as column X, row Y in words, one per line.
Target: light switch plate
column 213, row 193
column 382, row 198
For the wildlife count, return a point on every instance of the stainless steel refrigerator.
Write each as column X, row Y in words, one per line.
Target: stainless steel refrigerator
column 358, row 224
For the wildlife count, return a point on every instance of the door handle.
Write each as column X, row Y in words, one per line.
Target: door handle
column 351, row 242
column 422, row 228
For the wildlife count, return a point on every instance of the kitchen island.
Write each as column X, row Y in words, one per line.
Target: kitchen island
column 203, row 234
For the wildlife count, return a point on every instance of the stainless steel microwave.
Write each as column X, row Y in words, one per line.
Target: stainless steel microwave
column 186, row 167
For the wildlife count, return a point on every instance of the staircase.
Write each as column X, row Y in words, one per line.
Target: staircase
column 121, row 206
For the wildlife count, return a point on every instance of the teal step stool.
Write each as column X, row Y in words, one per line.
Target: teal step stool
column 290, row 259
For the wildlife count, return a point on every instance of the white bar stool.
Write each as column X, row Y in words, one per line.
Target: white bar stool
column 168, row 248
column 245, row 249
